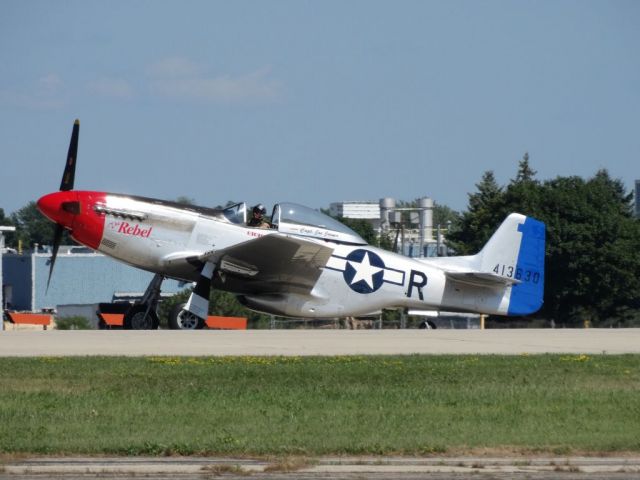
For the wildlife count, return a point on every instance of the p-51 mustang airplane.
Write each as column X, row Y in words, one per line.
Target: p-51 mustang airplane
column 308, row 265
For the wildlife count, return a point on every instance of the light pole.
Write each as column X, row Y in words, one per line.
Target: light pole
column 2, row 230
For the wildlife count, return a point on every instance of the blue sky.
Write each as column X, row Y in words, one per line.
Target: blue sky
column 316, row 101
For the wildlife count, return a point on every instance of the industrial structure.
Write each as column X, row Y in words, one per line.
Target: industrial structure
column 3, row 229
column 412, row 226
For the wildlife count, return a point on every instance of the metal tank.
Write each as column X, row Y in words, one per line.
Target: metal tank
column 425, row 205
column 386, row 206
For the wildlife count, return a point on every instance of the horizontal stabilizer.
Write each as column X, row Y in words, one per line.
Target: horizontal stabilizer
column 481, row 279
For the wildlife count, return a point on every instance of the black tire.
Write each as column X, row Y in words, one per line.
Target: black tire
column 427, row 325
column 135, row 319
column 180, row 319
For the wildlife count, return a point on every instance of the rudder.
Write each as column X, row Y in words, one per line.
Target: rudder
column 527, row 297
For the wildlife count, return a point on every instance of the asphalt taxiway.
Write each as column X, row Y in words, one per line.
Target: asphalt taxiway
column 318, row 342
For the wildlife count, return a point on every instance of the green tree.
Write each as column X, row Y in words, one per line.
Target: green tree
column 32, row 227
column 593, row 251
column 525, row 172
column 443, row 215
column 3, row 219
column 592, row 267
column 6, row 221
column 227, row 304
column 522, row 193
column 485, row 212
column 184, row 200
column 362, row 227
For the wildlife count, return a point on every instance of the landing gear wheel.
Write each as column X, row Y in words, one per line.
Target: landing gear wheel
column 138, row 319
column 181, row 319
column 427, row 325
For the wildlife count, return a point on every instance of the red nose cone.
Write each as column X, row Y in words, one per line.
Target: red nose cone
column 60, row 207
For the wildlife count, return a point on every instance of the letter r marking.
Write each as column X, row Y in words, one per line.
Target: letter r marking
column 417, row 279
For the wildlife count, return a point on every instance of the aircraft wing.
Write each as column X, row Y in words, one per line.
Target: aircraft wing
column 271, row 264
column 482, row 279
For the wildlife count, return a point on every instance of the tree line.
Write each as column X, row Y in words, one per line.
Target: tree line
column 592, row 264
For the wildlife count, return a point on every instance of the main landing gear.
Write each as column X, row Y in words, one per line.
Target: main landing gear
column 192, row 315
column 185, row 316
column 142, row 314
column 181, row 319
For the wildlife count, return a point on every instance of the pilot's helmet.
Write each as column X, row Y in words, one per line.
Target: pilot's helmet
column 259, row 208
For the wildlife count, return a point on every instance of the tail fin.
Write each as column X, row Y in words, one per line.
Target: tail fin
column 516, row 251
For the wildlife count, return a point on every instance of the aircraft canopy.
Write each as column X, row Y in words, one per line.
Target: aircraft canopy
column 300, row 220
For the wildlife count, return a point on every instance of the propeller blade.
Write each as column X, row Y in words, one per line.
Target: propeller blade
column 69, row 175
column 57, row 238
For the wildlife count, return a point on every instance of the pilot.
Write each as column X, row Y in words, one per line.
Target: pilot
column 257, row 219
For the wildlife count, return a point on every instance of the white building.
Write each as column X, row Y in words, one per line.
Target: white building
column 357, row 210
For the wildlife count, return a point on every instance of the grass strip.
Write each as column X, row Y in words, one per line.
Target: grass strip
column 319, row 405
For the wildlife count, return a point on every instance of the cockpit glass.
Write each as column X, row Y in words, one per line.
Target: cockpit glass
column 236, row 213
column 294, row 214
column 275, row 216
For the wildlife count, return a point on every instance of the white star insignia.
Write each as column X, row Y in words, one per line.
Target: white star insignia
column 364, row 271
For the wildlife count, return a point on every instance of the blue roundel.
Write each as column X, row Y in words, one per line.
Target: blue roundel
column 364, row 271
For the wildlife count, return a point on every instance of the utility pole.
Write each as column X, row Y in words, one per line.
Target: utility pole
column 2, row 230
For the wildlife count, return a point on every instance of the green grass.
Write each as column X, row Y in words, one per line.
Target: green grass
column 312, row 406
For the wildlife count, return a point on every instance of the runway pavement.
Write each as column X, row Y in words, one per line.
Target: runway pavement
column 531, row 467
column 318, row 342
